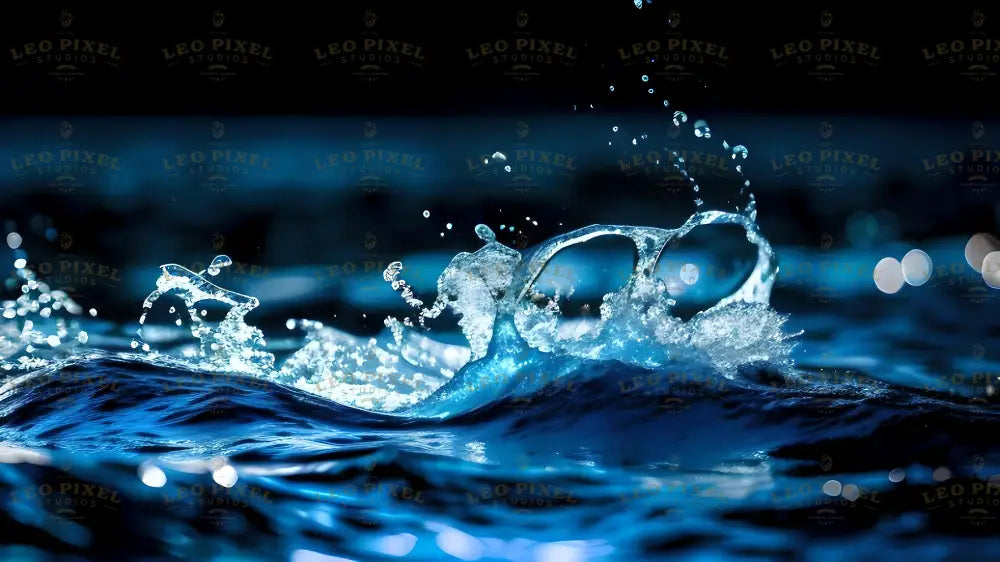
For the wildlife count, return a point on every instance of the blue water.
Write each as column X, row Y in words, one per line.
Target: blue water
column 604, row 461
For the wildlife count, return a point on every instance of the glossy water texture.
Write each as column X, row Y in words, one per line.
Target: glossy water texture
column 741, row 432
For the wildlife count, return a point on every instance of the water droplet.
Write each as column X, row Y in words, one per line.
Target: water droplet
column 897, row 475
column 701, row 129
column 218, row 263
column 485, row 234
column 14, row 240
column 448, row 226
column 427, row 214
column 612, row 88
column 614, row 129
column 20, row 263
column 506, row 168
column 741, row 151
column 888, row 275
column 172, row 310
column 666, row 103
column 680, row 117
column 93, row 313
column 499, row 156
column 633, row 141
column 82, row 337
column 917, row 267
column 645, row 78
column 650, row 90
column 53, row 341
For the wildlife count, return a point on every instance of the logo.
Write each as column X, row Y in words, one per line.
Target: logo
column 67, row 499
column 224, row 386
column 522, row 56
column 525, row 165
column 66, row 387
column 825, row 241
column 217, row 165
column 829, row 165
column 663, row 167
column 66, row 55
column 372, row 165
column 217, row 56
column 971, row 502
column 827, row 56
column 822, row 277
column 975, row 56
column 217, row 505
column 218, row 241
column 72, row 273
column 827, row 503
column 523, row 496
column 673, row 393
column 372, row 55
column 674, row 56
column 66, row 165
column 975, row 167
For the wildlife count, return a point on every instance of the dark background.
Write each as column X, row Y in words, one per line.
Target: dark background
column 342, row 226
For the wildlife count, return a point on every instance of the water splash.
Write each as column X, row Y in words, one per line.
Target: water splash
column 230, row 345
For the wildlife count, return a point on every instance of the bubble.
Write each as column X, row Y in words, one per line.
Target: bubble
column 612, row 88
column 225, row 476
column 645, row 78
column 701, row 129
column 991, row 269
column 151, row 475
column 20, row 263
column 851, row 492
column 897, row 475
column 14, row 240
column 888, row 275
column 741, row 151
column 689, row 274
column 832, row 488
column 680, row 117
column 941, row 474
column 427, row 214
column 614, row 129
column 917, row 267
column 448, row 226
column 499, row 156
column 978, row 247
column 506, row 168
column 650, row 90
column 666, row 103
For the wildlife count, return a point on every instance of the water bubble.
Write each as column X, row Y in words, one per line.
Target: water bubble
column 151, row 475
column 650, row 90
column 499, row 156
column 897, row 475
column 917, row 267
column 832, row 488
column 666, row 103
column 134, row 344
column 689, row 274
column 614, row 129
column 225, row 476
column 448, row 226
column 977, row 248
column 888, row 275
column 680, row 117
column 941, row 474
column 172, row 310
column 991, row 269
column 290, row 324
column 612, row 88
column 645, row 78
column 20, row 263
column 633, row 141
column 506, row 168
column 14, row 240
column 427, row 214
column 741, row 151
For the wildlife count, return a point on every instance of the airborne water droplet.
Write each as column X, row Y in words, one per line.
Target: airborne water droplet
column 506, row 168
column 680, row 117
column 427, row 214
column 485, row 234
column 218, row 263
column 645, row 78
